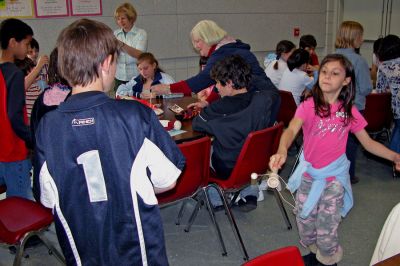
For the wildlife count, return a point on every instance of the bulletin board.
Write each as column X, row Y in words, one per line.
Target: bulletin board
column 16, row 8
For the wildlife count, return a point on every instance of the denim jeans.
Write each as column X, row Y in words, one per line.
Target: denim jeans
column 15, row 175
column 351, row 151
column 395, row 141
column 247, row 191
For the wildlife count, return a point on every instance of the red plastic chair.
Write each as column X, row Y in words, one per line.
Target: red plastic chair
column 21, row 219
column 287, row 256
column 378, row 114
column 194, row 175
column 287, row 109
column 192, row 182
column 253, row 158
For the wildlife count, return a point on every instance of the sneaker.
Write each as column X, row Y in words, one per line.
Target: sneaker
column 263, row 185
column 260, row 195
column 248, row 204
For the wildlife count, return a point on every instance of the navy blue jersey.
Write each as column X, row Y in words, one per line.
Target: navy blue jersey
column 97, row 160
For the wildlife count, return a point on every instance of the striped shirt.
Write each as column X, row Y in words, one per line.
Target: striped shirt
column 31, row 94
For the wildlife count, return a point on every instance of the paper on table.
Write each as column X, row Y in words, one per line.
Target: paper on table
column 174, row 132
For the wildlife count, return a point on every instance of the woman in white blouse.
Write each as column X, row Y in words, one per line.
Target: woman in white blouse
column 133, row 42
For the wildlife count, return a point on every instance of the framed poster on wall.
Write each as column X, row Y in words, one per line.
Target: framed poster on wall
column 51, row 8
column 86, row 7
column 16, row 9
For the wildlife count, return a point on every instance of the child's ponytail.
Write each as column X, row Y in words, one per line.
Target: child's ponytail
column 284, row 46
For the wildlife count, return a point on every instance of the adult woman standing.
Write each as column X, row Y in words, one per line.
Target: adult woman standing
column 349, row 38
column 133, row 42
column 212, row 41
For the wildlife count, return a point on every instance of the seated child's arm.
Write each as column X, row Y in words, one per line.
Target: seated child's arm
column 313, row 80
column 377, row 148
column 278, row 159
column 126, row 89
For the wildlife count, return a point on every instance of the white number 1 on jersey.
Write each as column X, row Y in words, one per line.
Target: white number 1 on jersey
column 94, row 175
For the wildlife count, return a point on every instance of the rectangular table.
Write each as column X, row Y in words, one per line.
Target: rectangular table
column 183, row 102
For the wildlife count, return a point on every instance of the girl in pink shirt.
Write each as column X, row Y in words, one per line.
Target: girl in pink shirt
column 322, row 179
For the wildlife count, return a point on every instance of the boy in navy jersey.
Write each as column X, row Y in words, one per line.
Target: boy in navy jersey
column 99, row 161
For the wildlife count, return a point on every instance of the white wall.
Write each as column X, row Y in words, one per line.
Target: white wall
column 261, row 23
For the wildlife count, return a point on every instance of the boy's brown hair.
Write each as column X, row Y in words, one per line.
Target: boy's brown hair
column 82, row 48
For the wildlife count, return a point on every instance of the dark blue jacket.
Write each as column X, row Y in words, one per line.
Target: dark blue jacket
column 259, row 80
column 231, row 119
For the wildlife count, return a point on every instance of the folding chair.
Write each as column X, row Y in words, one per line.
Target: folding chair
column 192, row 182
column 20, row 219
column 378, row 114
column 287, row 109
column 287, row 256
column 253, row 158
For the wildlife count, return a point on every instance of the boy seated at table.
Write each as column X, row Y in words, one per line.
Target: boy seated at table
column 231, row 118
column 99, row 161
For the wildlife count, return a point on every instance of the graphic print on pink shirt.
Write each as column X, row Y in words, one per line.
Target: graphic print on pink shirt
column 325, row 138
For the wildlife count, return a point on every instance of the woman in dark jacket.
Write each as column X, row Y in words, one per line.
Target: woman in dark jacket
column 212, row 41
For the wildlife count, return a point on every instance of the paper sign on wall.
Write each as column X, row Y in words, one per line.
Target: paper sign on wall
column 86, row 7
column 51, row 8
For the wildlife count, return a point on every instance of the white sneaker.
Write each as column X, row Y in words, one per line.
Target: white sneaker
column 263, row 185
column 260, row 195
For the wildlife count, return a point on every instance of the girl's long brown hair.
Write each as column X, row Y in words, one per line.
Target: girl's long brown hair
column 347, row 93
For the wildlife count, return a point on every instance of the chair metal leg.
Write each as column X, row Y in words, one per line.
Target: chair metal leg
column 18, row 255
column 193, row 215
column 51, row 248
column 235, row 196
column 180, row 213
column 20, row 249
column 395, row 172
column 388, row 134
column 214, row 221
column 296, row 161
column 232, row 221
column 283, row 210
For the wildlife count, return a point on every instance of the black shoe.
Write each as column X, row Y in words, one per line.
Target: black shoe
column 321, row 264
column 354, row 180
column 218, row 208
column 310, row 259
column 249, row 204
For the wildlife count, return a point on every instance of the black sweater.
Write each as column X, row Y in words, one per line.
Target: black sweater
column 231, row 119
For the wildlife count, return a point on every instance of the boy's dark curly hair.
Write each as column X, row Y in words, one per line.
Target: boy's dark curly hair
column 233, row 68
